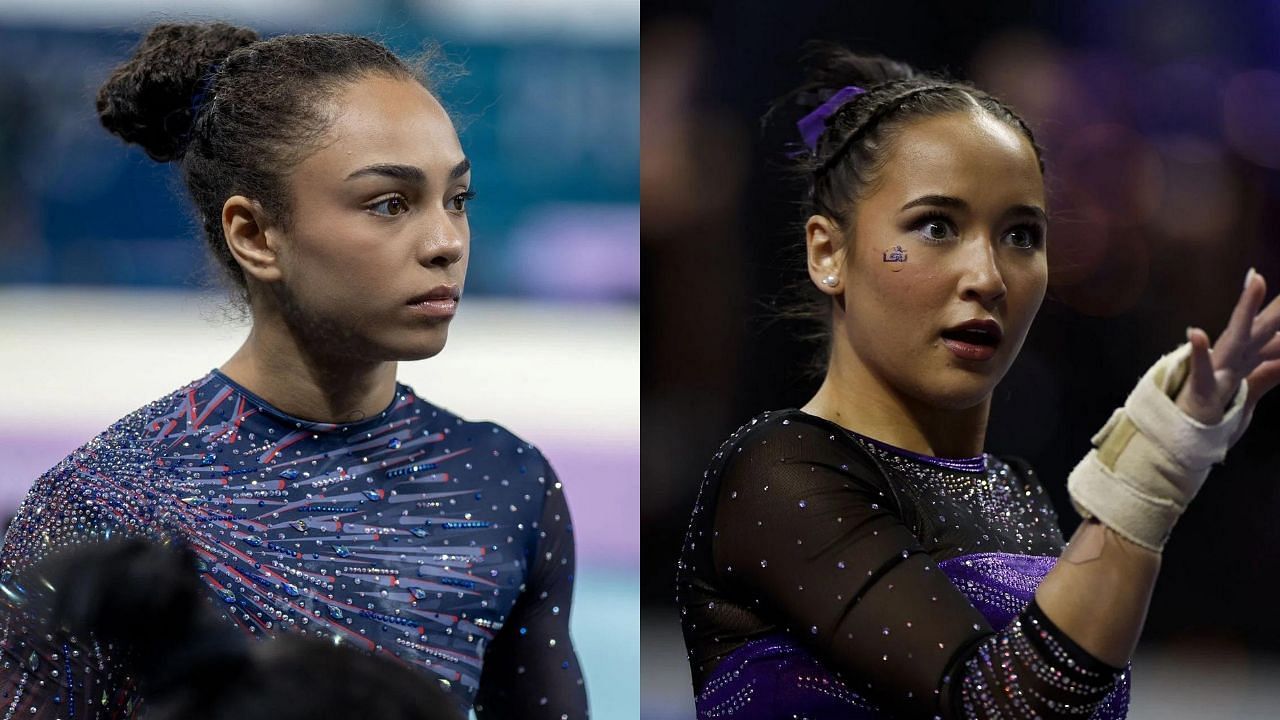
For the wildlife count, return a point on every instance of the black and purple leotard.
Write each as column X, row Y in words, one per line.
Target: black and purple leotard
column 442, row 544
column 826, row 574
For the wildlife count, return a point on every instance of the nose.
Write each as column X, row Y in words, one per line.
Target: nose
column 981, row 279
column 445, row 242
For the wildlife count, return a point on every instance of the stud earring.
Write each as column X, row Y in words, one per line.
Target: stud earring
column 830, row 280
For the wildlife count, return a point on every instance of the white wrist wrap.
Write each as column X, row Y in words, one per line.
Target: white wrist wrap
column 1150, row 459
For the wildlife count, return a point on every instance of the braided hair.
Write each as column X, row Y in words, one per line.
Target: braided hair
column 854, row 145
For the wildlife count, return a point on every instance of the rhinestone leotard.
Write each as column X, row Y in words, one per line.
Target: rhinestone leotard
column 826, row 574
column 440, row 543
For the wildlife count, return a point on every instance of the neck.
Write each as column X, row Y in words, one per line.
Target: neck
column 284, row 369
column 854, row 397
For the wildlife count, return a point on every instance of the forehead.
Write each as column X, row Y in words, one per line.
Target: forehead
column 387, row 120
column 969, row 155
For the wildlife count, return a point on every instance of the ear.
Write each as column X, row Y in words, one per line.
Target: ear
column 826, row 252
column 253, row 241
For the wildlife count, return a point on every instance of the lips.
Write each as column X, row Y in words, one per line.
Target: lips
column 975, row 332
column 973, row 340
column 436, row 294
column 435, row 305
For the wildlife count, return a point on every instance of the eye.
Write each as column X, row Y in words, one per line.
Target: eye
column 1027, row 237
column 390, row 207
column 934, row 229
column 459, row 201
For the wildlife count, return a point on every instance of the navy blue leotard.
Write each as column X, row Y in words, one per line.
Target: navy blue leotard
column 440, row 543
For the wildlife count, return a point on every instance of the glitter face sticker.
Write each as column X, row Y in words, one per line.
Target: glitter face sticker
column 896, row 256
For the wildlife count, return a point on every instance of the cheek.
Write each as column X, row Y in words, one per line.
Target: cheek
column 892, row 299
column 1027, row 288
column 333, row 279
column 345, row 255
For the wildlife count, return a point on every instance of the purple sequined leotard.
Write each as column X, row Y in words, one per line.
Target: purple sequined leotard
column 442, row 544
column 829, row 575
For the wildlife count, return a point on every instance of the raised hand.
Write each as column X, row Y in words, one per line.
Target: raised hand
column 1249, row 348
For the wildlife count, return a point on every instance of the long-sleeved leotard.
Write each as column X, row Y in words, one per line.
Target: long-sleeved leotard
column 826, row 574
column 442, row 544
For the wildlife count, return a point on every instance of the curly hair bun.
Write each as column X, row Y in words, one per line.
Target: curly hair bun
column 147, row 100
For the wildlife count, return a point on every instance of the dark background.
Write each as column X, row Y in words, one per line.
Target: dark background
column 1161, row 128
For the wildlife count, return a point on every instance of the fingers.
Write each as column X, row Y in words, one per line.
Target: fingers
column 1201, row 377
column 1263, row 379
column 1270, row 350
column 1234, row 341
column 1267, row 323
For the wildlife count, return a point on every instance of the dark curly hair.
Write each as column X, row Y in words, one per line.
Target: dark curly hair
column 853, row 146
column 238, row 112
column 143, row 600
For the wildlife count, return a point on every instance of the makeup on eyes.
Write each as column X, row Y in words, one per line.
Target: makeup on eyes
column 925, row 225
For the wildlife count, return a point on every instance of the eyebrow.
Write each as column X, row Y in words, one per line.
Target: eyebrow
column 946, row 201
column 407, row 173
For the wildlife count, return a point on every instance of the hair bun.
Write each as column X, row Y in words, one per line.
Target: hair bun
column 131, row 591
column 147, row 100
column 830, row 67
column 142, row 598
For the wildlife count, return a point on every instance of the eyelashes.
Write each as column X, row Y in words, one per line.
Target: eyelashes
column 1034, row 235
column 460, row 200
column 929, row 227
column 937, row 228
column 397, row 204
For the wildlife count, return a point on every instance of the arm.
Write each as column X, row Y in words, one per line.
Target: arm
column 1156, row 452
column 530, row 668
column 1107, row 620
column 48, row 676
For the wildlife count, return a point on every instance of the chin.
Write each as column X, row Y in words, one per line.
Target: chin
column 421, row 351
column 960, row 401
column 417, row 345
column 959, row 391
column 433, row 344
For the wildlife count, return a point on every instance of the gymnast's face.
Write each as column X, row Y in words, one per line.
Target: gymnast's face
column 374, row 260
column 952, row 230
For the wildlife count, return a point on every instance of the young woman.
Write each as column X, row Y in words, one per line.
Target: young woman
column 861, row 556
column 320, row 496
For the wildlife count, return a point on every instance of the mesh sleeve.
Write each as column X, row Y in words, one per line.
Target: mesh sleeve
column 806, row 525
column 1032, row 667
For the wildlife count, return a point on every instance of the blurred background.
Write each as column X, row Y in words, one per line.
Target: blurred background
column 104, row 303
column 1161, row 128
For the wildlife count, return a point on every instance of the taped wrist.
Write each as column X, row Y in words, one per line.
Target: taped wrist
column 1149, row 459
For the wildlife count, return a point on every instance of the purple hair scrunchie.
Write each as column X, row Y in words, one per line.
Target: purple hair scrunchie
column 812, row 125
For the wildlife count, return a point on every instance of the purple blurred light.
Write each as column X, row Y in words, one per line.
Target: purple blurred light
column 578, row 251
column 1250, row 107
